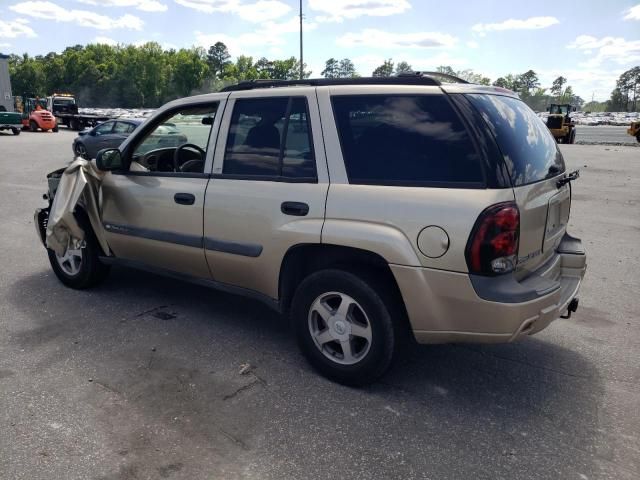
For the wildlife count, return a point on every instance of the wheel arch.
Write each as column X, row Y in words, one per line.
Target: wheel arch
column 303, row 259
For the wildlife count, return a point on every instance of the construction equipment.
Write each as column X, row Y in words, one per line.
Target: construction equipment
column 35, row 114
column 560, row 124
column 634, row 130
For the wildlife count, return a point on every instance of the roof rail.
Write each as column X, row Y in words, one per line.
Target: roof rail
column 320, row 82
column 438, row 76
column 408, row 78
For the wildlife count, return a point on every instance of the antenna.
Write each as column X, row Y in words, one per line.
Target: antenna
column 301, row 61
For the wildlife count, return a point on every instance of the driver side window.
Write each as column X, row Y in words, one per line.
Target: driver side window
column 177, row 143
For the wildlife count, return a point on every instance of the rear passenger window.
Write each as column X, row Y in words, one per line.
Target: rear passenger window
column 270, row 138
column 411, row 140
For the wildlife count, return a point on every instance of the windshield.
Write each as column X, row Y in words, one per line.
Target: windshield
column 64, row 101
column 529, row 149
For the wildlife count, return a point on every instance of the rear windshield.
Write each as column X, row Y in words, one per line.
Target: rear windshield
column 410, row 140
column 529, row 149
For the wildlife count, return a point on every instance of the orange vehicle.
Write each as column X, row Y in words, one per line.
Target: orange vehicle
column 36, row 116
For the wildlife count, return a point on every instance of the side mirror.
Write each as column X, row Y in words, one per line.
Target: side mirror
column 207, row 121
column 109, row 159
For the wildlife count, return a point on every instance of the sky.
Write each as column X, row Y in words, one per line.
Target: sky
column 590, row 42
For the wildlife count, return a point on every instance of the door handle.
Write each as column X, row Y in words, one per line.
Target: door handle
column 184, row 198
column 297, row 209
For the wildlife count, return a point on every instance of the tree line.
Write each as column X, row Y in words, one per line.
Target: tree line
column 135, row 76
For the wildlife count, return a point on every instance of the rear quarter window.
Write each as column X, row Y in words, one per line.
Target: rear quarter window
column 409, row 140
column 529, row 150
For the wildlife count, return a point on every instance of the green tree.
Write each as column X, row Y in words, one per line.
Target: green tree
column 403, row 67
column 218, row 57
column 384, row 70
column 347, row 69
column 472, row 77
column 556, row 86
column 331, row 68
column 617, row 102
column 189, row 69
column 446, row 69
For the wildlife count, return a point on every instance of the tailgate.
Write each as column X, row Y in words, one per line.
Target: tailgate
column 544, row 214
column 10, row 118
column 535, row 165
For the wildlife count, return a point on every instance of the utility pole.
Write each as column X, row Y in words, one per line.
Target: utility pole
column 301, row 61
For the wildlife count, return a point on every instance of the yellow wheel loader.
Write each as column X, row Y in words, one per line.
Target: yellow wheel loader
column 560, row 124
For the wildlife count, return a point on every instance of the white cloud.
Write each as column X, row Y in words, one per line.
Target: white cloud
column 16, row 28
column 143, row 5
column 4, row 45
column 614, row 49
column 586, row 82
column 270, row 35
column 380, row 39
column 105, row 40
column 532, row 23
column 633, row 13
column 472, row 44
column 84, row 18
column 260, row 11
column 338, row 10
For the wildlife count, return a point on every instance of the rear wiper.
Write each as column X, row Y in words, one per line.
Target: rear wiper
column 569, row 177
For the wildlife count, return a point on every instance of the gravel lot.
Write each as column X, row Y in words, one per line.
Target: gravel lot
column 140, row 378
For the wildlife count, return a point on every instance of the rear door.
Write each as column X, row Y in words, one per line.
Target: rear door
column 269, row 186
column 535, row 165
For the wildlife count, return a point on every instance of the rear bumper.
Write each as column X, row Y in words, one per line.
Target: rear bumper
column 456, row 307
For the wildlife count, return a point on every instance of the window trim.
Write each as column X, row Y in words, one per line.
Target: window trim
column 283, row 138
column 416, row 183
column 127, row 153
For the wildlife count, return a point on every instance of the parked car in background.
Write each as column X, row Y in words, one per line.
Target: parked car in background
column 109, row 134
column 112, row 133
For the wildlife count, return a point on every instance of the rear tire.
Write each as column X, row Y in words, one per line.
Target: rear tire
column 16, row 131
column 82, row 268
column 33, row 126
column 55, row 129
column 638, row 137
column 344, row 327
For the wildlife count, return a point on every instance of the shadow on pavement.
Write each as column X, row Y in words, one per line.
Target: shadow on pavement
column 169, row 355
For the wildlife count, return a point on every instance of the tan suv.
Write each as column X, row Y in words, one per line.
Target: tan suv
column 370, row 211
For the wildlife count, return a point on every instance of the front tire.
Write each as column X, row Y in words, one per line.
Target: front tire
column 81, row 268
column 16, row 131
column 344, row 327
column 33, row 126
column 80, row 150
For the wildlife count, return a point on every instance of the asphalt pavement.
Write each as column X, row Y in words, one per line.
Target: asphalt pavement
column 604, row 134
column 146, row 377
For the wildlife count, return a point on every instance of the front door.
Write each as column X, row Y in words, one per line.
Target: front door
column 152, row 212
column 268, row 189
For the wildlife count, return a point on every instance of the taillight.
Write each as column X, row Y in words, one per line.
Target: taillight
column 492, row 248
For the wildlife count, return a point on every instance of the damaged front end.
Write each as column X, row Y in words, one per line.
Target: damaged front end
column 71, row 190
column 41, row 215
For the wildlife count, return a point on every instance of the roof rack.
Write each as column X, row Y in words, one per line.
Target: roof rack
column 438, row 76
column 409, row 78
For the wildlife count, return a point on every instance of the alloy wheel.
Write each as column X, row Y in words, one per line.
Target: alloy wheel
column 340, row 328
